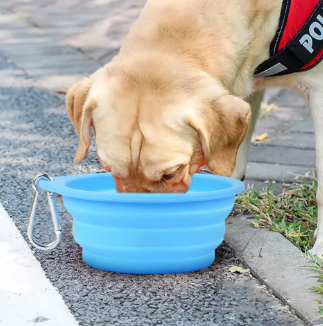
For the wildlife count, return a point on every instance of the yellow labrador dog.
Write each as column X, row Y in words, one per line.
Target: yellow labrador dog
column 183, row 91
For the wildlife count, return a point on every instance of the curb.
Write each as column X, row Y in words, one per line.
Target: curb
column 276, row 262
column 26, row 295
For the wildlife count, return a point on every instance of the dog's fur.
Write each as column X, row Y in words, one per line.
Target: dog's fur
column 173, row 100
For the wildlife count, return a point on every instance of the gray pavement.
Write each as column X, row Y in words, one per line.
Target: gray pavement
column 52, row 44
column 290, row 147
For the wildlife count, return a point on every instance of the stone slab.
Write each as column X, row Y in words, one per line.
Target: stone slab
column 62, row 71
column 277, row 263
column 67, row 60
column 22, row 51
column 54, row 82
column 304, row 127
column 282, row 155
column 292, row 99
column 293, row 140
column 272, row 94
column 275, row 172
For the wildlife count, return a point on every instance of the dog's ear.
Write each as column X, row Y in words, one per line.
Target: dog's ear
column 80, row 109
column 221, row 125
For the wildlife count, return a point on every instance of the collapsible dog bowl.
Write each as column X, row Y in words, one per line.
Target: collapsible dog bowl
column 143, row 233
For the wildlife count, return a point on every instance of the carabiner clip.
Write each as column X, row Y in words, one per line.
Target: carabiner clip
column 53, row 212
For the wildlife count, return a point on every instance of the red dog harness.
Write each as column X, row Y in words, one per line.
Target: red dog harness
column 298, row 43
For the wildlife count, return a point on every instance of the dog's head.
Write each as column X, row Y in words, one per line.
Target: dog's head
column 155, row 130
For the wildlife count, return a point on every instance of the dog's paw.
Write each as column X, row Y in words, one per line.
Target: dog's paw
column 317, row 250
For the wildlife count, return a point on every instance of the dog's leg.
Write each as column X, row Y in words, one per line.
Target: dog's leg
column 315, row 97
column 241, row 165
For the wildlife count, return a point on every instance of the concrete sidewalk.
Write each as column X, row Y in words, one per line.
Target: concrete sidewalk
column 290, row 147
column 49, row 45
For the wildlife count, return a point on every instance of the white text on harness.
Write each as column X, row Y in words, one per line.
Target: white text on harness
column 316, row 32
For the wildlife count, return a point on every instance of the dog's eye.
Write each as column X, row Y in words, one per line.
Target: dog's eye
column 169, row 176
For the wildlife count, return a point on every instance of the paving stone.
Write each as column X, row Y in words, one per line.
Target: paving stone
column 61, row 30
column 290, row 114
column 54, row 82
column 65, row 32
column 294, row 140
column 282, row 155
column 280, row 119
column 76, row 16
column 63, row 70
column 95, row 52
column 28, row 34
column 12, row 39
column 291, row 98
column 28, row 4
column 278, row 263
column 275, row 172
column 272, row 94
column 45, row 61
column 8, row 19
column 108, row 57
column 30, row 7
column 271, row 126
column 260, row 185
column 56, row 22
column 109, row 32
column 35, row 49
column 304, row 127
column 14, row 28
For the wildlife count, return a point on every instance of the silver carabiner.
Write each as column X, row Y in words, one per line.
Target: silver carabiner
column 53, row 212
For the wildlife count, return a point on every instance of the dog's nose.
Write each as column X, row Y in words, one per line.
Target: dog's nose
column 132, row 190
column 129, row 186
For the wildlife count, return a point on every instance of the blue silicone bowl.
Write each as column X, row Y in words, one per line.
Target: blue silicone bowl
column 147, row 233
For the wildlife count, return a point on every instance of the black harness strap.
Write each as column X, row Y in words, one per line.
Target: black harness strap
column 302, row 49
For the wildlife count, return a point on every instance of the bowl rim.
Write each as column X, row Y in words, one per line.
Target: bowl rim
column 58, row 185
